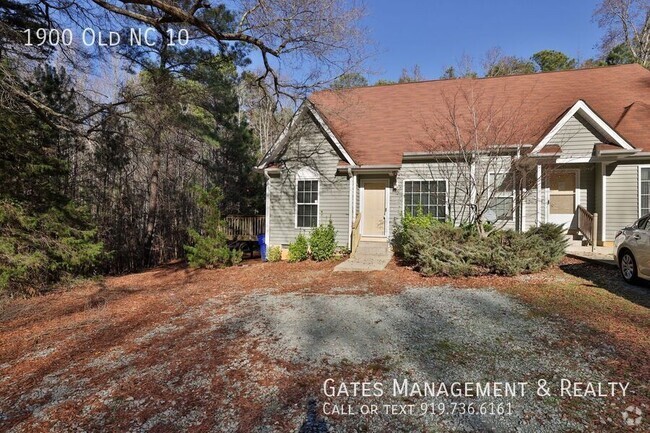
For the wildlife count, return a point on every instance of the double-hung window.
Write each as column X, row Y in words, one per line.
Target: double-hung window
column 426, row 196
column 644, row 191
column 307, row 190
column 501, row 194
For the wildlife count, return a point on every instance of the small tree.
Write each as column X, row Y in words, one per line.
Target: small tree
column 471, row 140
column 210, row 246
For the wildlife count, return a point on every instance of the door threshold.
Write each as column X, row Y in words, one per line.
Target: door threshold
column 373, row 239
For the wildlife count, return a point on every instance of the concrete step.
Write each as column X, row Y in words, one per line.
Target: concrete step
column 373, row 248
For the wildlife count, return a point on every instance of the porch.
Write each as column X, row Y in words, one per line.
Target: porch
column 575, row 196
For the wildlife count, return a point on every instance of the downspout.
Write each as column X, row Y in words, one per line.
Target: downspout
column 350, row 207
column 539, row 196
column 603, row 202
column 267, row 216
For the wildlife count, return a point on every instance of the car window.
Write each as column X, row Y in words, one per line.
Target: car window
column 640, row 223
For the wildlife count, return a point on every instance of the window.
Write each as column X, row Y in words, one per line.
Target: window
column 307, row 203
column 642, row 224
column 644, row 191
column 426, row 196
column 501, row 195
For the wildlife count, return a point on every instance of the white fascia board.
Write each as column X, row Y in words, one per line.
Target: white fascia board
column 330, row 134
column 277, row 146
column 593, row 118
column 280, row 142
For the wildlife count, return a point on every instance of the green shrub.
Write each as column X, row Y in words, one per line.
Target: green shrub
column 299, row 249
column 211, row 251
column 553, row 239
column 40, row 249
column 413, row 234
column 209, row 247
column 323, row 242
column 441, row 249
column 274, row 254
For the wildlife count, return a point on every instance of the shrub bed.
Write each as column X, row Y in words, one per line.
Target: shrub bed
column 436, row 248
column 320, row 246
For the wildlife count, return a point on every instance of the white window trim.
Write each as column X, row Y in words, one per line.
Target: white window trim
column 362, row 191
column 638, row 186
column 447, row 210
column 308, row 177
column 512, row 194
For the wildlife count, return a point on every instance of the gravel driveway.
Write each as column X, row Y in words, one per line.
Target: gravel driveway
column 427, row 334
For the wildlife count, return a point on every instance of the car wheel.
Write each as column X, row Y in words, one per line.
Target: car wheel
column 627, row 266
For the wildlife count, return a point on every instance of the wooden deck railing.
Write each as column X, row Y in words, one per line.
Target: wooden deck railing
column 356, row 233
column 588, row 225
column 244, row 228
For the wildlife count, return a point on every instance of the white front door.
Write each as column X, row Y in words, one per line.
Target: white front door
column 562, row 199
column 373, row 211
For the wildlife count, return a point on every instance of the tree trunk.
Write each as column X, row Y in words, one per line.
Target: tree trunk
column 152, row 205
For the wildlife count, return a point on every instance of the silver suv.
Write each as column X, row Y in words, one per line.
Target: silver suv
column 632, row 250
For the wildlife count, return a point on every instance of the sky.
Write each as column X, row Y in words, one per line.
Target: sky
column 435, row 34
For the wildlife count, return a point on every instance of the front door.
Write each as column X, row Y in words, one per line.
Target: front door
column 373, row 213
column 562, row 197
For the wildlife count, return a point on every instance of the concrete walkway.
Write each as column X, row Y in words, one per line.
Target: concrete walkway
column 601, row 255
column 370, row 256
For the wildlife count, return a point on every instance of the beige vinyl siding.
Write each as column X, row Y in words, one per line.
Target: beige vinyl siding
column 311, row 149
column 577, row 138
column 622, row 197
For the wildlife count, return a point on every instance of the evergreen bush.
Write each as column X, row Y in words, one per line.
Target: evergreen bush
column 274, row 254
column 299, row 249
column 442, row 249
column 209, row 247
column 40, row 249
column 323, row 242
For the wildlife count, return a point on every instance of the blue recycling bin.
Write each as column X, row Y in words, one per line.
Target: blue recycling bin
column 261, row 241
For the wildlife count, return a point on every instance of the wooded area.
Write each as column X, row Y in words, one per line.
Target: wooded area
column 118, row 158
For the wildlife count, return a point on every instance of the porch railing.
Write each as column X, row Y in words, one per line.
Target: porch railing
column 356, row 233
column 244, row 228
column 588, row 225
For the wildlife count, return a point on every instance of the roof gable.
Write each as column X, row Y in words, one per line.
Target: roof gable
column 575, row 125
column 305, row 109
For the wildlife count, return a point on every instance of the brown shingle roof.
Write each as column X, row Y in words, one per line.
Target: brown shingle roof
column 378, row 124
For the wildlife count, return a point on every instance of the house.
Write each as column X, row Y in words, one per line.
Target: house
column 570, row 147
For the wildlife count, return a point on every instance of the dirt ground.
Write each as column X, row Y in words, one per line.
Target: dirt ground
column 175, row 349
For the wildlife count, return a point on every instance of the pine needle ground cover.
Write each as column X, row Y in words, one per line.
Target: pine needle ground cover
column 176, row 348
